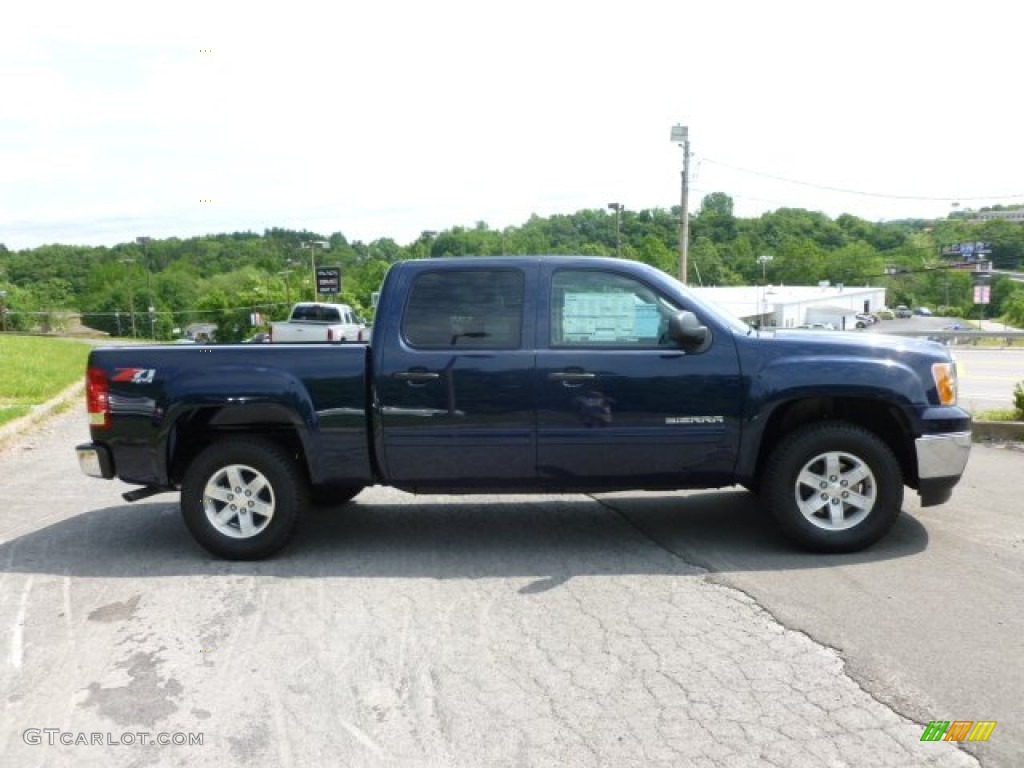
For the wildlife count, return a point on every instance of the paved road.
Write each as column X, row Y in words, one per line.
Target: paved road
column 987, row 374
column 525, row 631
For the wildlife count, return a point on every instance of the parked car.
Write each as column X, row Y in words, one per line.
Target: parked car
column 885, row 314
column 923, row 312
column 903, row 311
column 510, row 375
column 317, row 322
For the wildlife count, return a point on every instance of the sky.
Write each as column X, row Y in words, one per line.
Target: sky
column 385, row 119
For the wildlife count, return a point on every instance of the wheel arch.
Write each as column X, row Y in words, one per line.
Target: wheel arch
column 200, row 427
column 882, row 419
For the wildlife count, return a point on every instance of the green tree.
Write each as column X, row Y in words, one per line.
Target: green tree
column 715, row 220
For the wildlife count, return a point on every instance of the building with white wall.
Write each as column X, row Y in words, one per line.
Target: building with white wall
column 790, row 306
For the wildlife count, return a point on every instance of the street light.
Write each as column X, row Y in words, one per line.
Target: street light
column 313, row 245
column 285, row 276
column 681, row 136
column 617, row 207
column 428, row 235
column 144, row 242
column 131, row 297
column 763, row 261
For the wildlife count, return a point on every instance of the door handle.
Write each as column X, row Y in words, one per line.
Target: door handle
column 416, row 376
column 572, row 376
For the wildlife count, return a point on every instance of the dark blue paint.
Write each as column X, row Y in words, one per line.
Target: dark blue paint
column 530, row 418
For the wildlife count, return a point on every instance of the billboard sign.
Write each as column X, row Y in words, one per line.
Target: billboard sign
column 328, row 280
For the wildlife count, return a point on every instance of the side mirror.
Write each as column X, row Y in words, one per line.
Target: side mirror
column 686, row 331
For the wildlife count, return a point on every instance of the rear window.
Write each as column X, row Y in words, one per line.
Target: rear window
column 316, row 314
column 465, row 308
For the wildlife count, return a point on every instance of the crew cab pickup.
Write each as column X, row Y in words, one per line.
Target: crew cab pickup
column 543, row 374
column 316, row 322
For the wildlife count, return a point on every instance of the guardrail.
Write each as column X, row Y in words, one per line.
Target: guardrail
column 1008, row 338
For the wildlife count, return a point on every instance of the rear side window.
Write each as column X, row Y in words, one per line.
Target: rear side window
column 465, row 308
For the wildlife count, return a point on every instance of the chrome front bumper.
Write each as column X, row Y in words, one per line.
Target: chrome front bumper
column 942, row 455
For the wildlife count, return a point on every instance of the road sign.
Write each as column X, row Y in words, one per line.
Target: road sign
column 328, row 280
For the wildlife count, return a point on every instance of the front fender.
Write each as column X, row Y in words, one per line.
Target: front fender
column 837, row 375
column 884, row 383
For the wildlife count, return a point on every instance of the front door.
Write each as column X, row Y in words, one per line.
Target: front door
column 619, row 403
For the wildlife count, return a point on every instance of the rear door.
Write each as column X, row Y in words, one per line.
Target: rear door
column 454, row 389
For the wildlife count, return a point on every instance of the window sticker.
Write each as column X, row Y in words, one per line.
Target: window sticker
column 607, row 317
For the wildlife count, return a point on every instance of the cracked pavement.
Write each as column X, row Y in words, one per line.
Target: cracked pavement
column 402, row 630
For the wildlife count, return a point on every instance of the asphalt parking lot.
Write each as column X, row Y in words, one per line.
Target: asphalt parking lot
column 627, row 629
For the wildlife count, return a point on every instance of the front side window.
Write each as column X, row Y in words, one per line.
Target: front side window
column 593, row 308
column 465, row 308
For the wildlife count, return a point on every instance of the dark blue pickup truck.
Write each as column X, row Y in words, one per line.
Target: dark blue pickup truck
column 532, row 374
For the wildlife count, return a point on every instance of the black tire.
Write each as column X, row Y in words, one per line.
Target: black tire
column 267, row 487
column 833, row 487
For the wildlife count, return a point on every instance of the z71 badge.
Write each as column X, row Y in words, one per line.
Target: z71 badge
column 135, row 375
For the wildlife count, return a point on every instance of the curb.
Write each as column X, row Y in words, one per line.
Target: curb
column 39, row 413
column 997, row 430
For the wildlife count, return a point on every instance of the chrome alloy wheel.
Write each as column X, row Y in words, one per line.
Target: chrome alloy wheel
column 835, row 490
column 238, row 501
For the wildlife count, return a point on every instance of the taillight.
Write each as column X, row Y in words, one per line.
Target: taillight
column 97, row 398
column 330, row 334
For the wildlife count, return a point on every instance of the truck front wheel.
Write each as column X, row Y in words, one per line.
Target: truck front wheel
column 833, row 487
column 241, row 498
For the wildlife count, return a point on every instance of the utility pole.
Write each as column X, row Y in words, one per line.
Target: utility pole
column 617, row 207
column 313, row 245
column 681, row 135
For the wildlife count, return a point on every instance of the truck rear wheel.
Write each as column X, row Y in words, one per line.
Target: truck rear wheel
column 833, row 487
column 241, row 498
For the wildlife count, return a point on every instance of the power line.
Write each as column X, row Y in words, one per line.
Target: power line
column 857, row 191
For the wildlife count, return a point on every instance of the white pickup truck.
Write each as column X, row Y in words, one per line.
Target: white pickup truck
column 319, row 322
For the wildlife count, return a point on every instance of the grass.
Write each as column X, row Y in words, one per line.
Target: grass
column 34, row 369
column 1008, row 414
column 12, row 412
